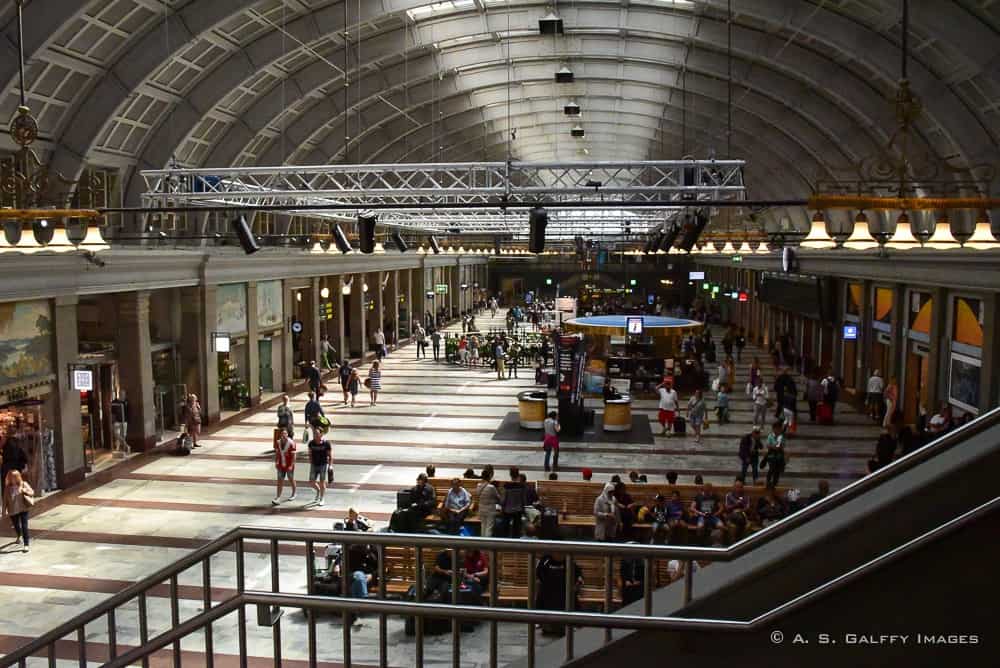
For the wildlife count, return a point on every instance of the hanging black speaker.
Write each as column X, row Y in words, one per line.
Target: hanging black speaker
column 340, row 239
column 397, row 240
column 694, row 225
column 366, row 231
column 669, row 237
column 435, row 246
column 245, row 235
column 538, row 218
column 496, row 245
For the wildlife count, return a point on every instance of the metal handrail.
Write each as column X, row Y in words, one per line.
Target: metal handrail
column 767, row 534
column 518, row 615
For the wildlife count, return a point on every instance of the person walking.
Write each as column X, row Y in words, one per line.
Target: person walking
column 759, row 396
column 354, row 386
column 668, row 406
column 374, row 381
column 191, row 417
column 344, row 373
column 775, row 457
column 741, row 342
column 284, row 464
column 783, row 385
column 18, row 497
column 420, row 334
column 755, row 376
column 320, row 461
column 874, row 400
column 513, row 359
column 814, row 395
column 286, row 418
column 606, row 515
column 378, row 338
column 436, row 344
column 473, row 351
column 314, row 377
column 550, row 440
column 697, row 414
column 313, row 411
column 831, row 392
column 328, row 353
column 889, row 406
column 749, row 453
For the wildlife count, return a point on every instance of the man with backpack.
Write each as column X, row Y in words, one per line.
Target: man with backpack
column 831, row 393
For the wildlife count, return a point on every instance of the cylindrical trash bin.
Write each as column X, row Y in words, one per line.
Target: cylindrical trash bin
column 532, row 406
column 618, row 414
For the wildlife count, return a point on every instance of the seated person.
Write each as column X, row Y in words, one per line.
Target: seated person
column 771, row 507
column 456, row 506
column 706, row 510
column 736, row 505
column 550, row 574
column 438, row 588
column 631, row 577
column 423, row 502
column 355, row 522
column 532, row 506
column 362, row 566
column 477, row 571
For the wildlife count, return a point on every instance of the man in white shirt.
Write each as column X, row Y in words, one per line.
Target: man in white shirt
column 875, row 395
column 379, row 339
column 668, row 406
column 759, row 396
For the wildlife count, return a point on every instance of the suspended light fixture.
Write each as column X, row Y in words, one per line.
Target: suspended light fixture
column 728, row 249
column 818, row 236
column 28, row 244
column 324, row 292
column 942, row 238
column 379, row 248
column 902, row 238
column 745, row 249
column 59, row 243
column 982, row 236
column 763, row 249
column 861, row 237
column 317, row 248
column 709, row 249
column 93, row 241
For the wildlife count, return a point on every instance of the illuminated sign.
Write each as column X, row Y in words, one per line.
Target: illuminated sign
column 850, row 332
column 633, row 326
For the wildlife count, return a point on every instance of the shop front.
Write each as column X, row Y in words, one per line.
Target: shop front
column 964, row 372
column 270, row 334
column 231, row 345
column 880, row 353
column 853, row 300
column 916, row 369
column 27, row 386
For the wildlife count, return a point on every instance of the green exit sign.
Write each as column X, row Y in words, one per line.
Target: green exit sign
column 441, row 288
column 632, row 281
column 548, row 281
column 737, row 259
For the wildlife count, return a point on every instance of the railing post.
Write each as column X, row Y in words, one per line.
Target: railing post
column 276, row 588
column 688, row 581
column 241, row 614
column 455, row 626
column 206, row 598
column 418, row 622
column 311, row 589
column 175, row 618
column 383, row 630
column 647, row 586
column 570, row 603
column 52, row 655
column 494, row 567
column 345, row 590
column 81, row 642
column 112, row 635
column 143, row 627
column 531, row 604
column 607, row 594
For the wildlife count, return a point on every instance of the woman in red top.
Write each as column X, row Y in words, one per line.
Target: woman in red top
column 284, row 464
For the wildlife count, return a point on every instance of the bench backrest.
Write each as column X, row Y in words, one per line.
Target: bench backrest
column 577, row 497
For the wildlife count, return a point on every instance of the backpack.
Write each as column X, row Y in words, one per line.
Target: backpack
column 832, row 390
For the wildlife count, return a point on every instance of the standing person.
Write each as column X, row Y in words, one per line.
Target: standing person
column 498, row 355
column 890, row 404
column 741, row 342
column 774, row 458
column 328, row 353
column 420, row 334
column 874, row 400
column 313, row 411
column 722, row 404
column 488, row 498
column 697, row 414
column 374, row 381
column 354, row 386
column 493, row 307
column 436, row 344
column 18, row 497
column 378, row 338
column 463, row 351
column 320, row 460
column 473, row 351
column 755, row 375
column 314, row 377
column 669, row 403
column 191, row 416
column 514, row 357
column 550, row 440
column 284, row 464
column 750, row 447
column 631, row 576
column 814, row 395
column 344, row 373
column 759, row 396
column 513, row 502
column 783, row 385
column 606, row 518
column 550, row 592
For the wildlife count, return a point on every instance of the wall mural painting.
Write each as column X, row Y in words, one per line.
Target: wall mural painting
column 270, row 311
column 25, row 340
column 231, row 308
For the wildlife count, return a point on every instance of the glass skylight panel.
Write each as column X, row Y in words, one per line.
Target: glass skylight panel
column 439, row 7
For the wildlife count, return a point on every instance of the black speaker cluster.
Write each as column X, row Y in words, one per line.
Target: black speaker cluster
column 538, row 219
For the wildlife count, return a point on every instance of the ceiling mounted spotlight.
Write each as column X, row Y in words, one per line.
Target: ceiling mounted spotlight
column 399, row 242
column 550, row 24
column 577, row 131
column 564, row 75
column 572, row 109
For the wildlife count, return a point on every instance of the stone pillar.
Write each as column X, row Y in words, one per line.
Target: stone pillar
column 135, row 368
column 991, row 354
column 312, row 322
column 288, row 375
column 253, row 346
column 897, row 344
column 209, row 395
column 411, row 303
column 394, row 311
column 192, row 339
column 380, row 278
column 68, row 438
column 939, row 354
column 359, row 335
column 339, row 314
column 866, row 336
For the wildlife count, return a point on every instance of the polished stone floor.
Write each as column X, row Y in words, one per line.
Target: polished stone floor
column 152, row 510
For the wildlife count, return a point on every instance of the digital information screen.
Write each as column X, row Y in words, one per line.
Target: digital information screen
column 633, row 326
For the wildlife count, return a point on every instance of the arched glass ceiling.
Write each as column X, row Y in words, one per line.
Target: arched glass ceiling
column 129, row 83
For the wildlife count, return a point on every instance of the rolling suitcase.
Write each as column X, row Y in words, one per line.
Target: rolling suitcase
column 680, row 425
column 824, row 413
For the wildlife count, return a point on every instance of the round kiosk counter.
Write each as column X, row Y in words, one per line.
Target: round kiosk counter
column 532, row 405
column 618, row 414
